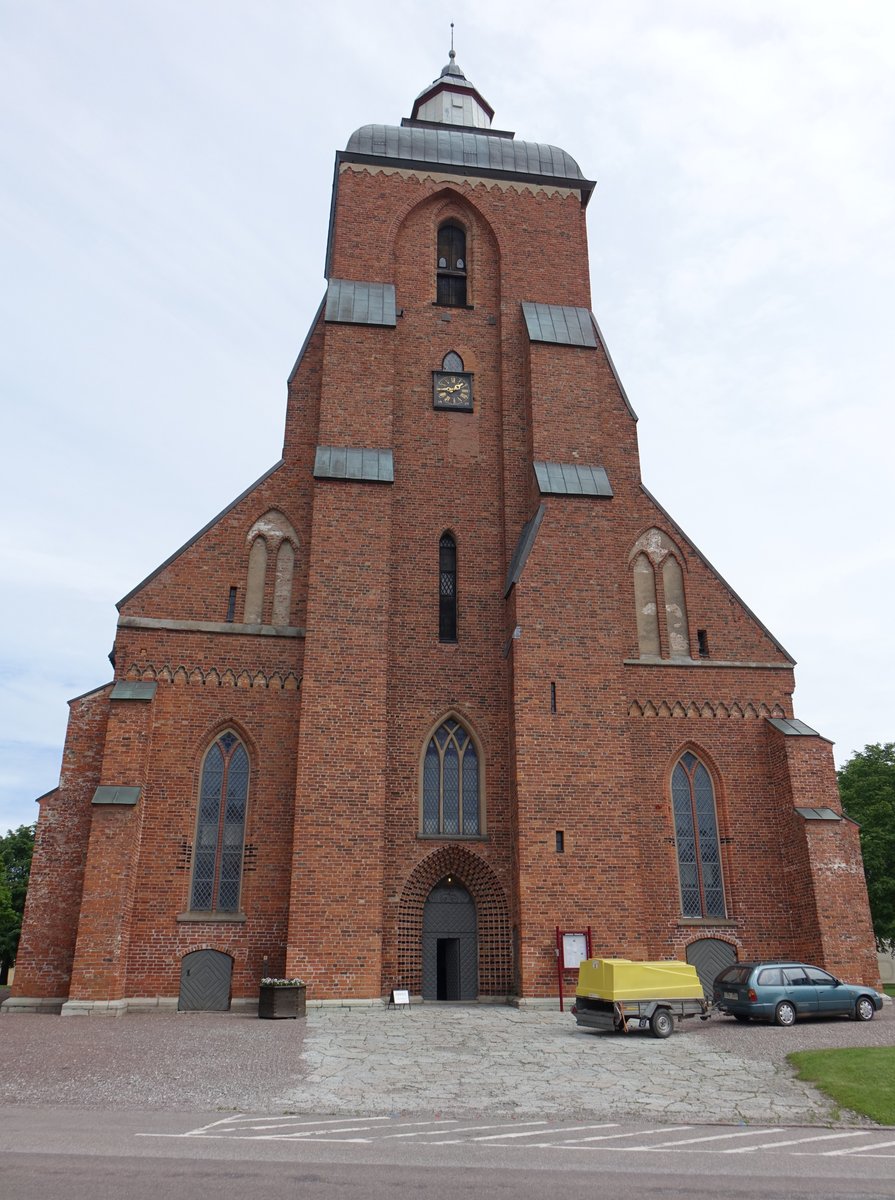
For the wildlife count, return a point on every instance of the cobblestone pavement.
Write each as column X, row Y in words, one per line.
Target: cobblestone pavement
column 447, row 1060
column 463, row 1061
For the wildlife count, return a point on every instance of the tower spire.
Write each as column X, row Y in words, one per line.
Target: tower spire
column 451, row 99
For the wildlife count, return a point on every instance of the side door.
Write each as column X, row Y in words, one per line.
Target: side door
column 799, row 989
column 831, row 998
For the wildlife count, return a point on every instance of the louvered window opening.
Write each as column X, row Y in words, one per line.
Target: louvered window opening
column 447, row 589
column 451, row 272
column 451, row 783
column 696, row 835
column 223, row 793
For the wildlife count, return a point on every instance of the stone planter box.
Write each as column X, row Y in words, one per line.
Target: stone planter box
column 277, row 1003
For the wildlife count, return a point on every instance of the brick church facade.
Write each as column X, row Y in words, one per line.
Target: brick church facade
column 447, row 677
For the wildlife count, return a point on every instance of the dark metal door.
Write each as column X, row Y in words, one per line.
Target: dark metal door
column 450, row 944
column 205, row 981
column 710, row 956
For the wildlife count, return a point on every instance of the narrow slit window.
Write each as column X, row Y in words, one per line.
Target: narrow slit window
column 560, row 842
column 553, row 697
column 231, row 605
column 447, row 589
column 702, row 639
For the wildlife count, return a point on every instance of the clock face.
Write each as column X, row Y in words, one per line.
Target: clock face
column 452, row 390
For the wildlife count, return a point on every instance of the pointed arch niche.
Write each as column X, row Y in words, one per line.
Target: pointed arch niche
column 446, row 228
column 270, row 540
column 657, row 567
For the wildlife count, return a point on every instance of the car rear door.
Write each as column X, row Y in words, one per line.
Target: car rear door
column 799, row 989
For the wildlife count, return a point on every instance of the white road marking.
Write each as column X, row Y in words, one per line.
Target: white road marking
column 533, row 1132
column 468, row 1129
column 605, row 1137
column 717, row 1137
column 858, row 1149
column 815, row 1137
column 444, row 1132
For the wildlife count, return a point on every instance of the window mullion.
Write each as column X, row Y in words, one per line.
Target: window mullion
column 440, row 787
column 219, row 846
column 697, row 843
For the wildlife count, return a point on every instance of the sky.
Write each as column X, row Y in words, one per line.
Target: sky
column 165, row 179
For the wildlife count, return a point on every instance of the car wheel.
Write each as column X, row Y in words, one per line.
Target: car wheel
column 661, row 1023
column 740, row 1017
column 785, row 1014
column 864, row 1009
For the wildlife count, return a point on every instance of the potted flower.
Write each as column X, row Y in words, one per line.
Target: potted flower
column 281, row 998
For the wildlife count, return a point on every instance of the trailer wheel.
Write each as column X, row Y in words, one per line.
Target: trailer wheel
column 661, row 1024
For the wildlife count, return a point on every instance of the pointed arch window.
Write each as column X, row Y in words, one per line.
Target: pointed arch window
column 451, row 783
column 451, row 270
column 447, row 589
column 220, row 829
column 696, row 837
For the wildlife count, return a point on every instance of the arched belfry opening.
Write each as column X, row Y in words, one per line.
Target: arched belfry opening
column 450, row 943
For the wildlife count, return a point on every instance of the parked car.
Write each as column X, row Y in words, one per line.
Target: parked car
column 782, row 991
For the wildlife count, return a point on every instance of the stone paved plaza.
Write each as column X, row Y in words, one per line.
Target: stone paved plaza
column 430, row 1059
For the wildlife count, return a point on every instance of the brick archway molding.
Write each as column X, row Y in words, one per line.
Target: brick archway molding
column 495, row 941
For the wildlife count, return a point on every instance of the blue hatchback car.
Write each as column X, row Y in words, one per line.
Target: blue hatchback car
column 782, row 991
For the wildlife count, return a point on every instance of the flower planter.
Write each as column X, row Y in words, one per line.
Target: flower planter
column 278, row 1003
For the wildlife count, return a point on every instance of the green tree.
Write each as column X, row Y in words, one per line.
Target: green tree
column 867, row 788
column 16, row 850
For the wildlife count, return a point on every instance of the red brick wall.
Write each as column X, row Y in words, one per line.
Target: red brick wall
column 50, row 925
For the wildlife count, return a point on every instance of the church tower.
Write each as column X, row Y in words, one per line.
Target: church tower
column 447, row 678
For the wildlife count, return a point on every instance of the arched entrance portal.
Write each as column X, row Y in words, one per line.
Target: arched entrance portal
column 450, row 943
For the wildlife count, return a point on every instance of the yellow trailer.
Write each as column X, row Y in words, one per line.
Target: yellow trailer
column 616, row 993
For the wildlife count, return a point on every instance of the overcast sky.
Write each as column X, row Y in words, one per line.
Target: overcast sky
column 165, row 178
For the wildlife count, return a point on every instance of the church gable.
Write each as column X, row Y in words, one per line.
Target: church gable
column 241, row 570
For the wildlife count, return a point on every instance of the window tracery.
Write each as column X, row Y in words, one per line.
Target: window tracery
column 696, row 839
column 220, row 826
column 451, row 784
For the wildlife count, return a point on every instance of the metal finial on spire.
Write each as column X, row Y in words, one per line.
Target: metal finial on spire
column 452, row 54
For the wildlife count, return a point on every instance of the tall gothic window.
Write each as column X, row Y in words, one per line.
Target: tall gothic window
column 696, row 835
column 447, row 589
column 451, row 272
column 451, row 782
column 220, row 831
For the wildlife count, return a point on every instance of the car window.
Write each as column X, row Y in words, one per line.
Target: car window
column 817, row 976
column 796, row 977
column 770, row 977
column 734, row 974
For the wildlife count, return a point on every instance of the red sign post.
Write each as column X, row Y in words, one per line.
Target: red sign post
column 572, row 948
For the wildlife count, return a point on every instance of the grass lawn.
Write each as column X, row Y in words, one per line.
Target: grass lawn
column 862, row 1079
column 889, row 989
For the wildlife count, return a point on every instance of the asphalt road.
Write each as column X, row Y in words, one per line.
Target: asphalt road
column 85, row 1155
